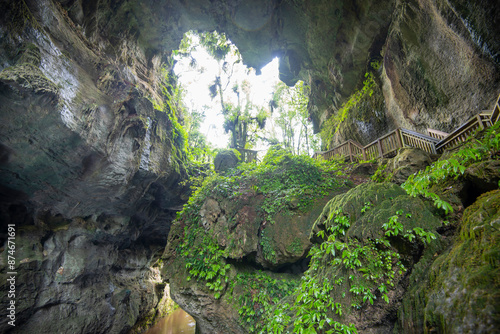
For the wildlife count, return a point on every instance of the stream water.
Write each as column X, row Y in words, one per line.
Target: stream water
column 178, row 322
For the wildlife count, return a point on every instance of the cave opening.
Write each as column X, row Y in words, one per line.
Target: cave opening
column 231, row 105
column 219, row 89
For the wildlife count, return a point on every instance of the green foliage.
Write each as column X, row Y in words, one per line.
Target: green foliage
column 467, row 270
column 381, row 174
column 295, row 247
column 267, row 247
column 293, row 122
column 487, row 147
column 286, row 178
column 394, row 228
column 346, row 273
column 332, row 125
column 217, row 44
column 263, row 296
column 204, row 260
column 376, row 64
column 242, row 119
column 199, row 149
column 170, row 103
column 281, row 178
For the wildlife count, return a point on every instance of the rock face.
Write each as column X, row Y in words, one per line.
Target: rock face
column 461, row 288
column 408, row 161
column 91, row 153
column 225, row 160
column 89, row 174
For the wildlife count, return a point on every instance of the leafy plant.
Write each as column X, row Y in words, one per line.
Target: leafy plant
column 381, row 174
column 419, row 184
column 205, row 261
column 262, row 298
column 267, row 248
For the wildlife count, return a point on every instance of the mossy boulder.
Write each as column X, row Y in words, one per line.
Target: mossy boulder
column 409, row 160
column 249, row 218
column 461, row 291
column 484, row 176
column 370, row 205
column 225, row 160
column 368, row 241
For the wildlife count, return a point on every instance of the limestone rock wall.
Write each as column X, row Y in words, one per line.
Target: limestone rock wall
column 89, row 165
column 89, row 173
column 439, row 66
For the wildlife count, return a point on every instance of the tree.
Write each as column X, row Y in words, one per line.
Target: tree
column 198, row 147
column 293, row 120
column 243, row 119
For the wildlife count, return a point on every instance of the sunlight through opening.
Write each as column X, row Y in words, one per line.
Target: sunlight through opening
column 222, row 93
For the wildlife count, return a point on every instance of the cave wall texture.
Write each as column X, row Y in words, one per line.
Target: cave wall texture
column 90, row 171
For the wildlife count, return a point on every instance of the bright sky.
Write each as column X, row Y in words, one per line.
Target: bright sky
column 196, row 81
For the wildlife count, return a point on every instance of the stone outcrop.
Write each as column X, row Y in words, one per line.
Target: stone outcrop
column 91, row 156
column 89, row 174
column 244, row 224
column 460, row 288
column 225, row 160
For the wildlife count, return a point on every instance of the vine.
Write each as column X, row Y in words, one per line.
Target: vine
column 332, row 125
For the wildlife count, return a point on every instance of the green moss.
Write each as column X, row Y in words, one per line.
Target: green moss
column 267, row 244
column 20, row 16
column 387, row 199
column 295, row 247
column 382, row 174
column 26, row 73
column 461, row 290
column 30, row 55
column 334, row 123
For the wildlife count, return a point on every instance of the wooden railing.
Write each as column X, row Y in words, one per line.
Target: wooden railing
column 418, row 140
column 436, row 142
column 383, row 146
column 495, row 114
column 437, row 134
column 460, row 135
column 349, row 149
column 248, row 155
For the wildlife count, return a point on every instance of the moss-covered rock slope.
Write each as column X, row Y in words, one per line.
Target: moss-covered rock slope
column 253, row 252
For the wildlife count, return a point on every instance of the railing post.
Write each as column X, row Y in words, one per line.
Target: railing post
column 398, row 138
column 380, row 152
column 350, row 150
column 480, row 121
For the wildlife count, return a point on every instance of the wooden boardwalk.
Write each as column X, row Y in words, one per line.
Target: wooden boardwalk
column 434, row 142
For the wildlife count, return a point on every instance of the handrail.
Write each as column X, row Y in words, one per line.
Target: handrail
column 248, row 155
column 437, row 134
column 436, row 142
column 463, row 132
column 495, row 114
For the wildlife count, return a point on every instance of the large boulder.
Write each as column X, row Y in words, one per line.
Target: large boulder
column 409, row 160
column 251, row 225
column 458, row 291
column 225, row 160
